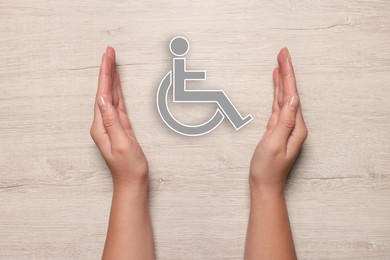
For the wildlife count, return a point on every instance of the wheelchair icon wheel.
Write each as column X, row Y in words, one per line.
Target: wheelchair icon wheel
column 173, row 123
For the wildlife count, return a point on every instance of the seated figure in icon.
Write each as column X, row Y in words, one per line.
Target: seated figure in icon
column 179, row 46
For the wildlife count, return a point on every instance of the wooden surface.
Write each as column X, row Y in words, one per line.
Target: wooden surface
column 55, row 190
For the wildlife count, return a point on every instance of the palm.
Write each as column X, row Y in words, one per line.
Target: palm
column 286, row 130
column 113, row 132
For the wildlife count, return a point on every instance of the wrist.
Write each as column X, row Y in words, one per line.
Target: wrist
column 266, row 195
column 130, row 196
column 264, row 190
column 130, row 199
column 133, row 187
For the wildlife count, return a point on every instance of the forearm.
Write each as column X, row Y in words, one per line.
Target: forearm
column 269, row 233
column 129, row 234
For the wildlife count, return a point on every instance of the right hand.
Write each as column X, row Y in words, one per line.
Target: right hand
column 285, row 134
column 112, row 132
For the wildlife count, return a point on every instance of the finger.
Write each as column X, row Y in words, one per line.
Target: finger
column 105, row 78
column 275, row 106
column 121, row 104
column 124, row 119
column 288, row 75
column 299, row 133
column 111, row 54
column 115, row 91
column 116, row 87
column 275, row 76
column 118, row 101
column 108, row 112
column 287, row 120
column 281, row 85
column 97, row 117
column 98, row 132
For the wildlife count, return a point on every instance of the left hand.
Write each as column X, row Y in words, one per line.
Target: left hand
column 112, row 132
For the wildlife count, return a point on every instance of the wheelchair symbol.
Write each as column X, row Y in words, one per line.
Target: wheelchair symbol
column 179, row 46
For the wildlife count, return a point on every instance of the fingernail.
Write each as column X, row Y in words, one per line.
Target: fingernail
column 102, row 102
column 293, row 104
column 109, row 52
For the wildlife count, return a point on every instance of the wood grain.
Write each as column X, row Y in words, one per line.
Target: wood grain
column 55, row 189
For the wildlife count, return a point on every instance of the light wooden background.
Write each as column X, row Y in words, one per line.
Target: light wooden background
column 55, row 190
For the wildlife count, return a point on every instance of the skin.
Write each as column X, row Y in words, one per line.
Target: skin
column 129, row 234
column 269, row 233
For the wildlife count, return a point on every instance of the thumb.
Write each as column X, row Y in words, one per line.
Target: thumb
column 287, row 119
column 111, row 122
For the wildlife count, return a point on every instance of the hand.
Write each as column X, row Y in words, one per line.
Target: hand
column 285, row 134
column 112, row 132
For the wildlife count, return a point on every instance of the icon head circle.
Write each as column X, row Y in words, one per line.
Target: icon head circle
column 179, row 46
